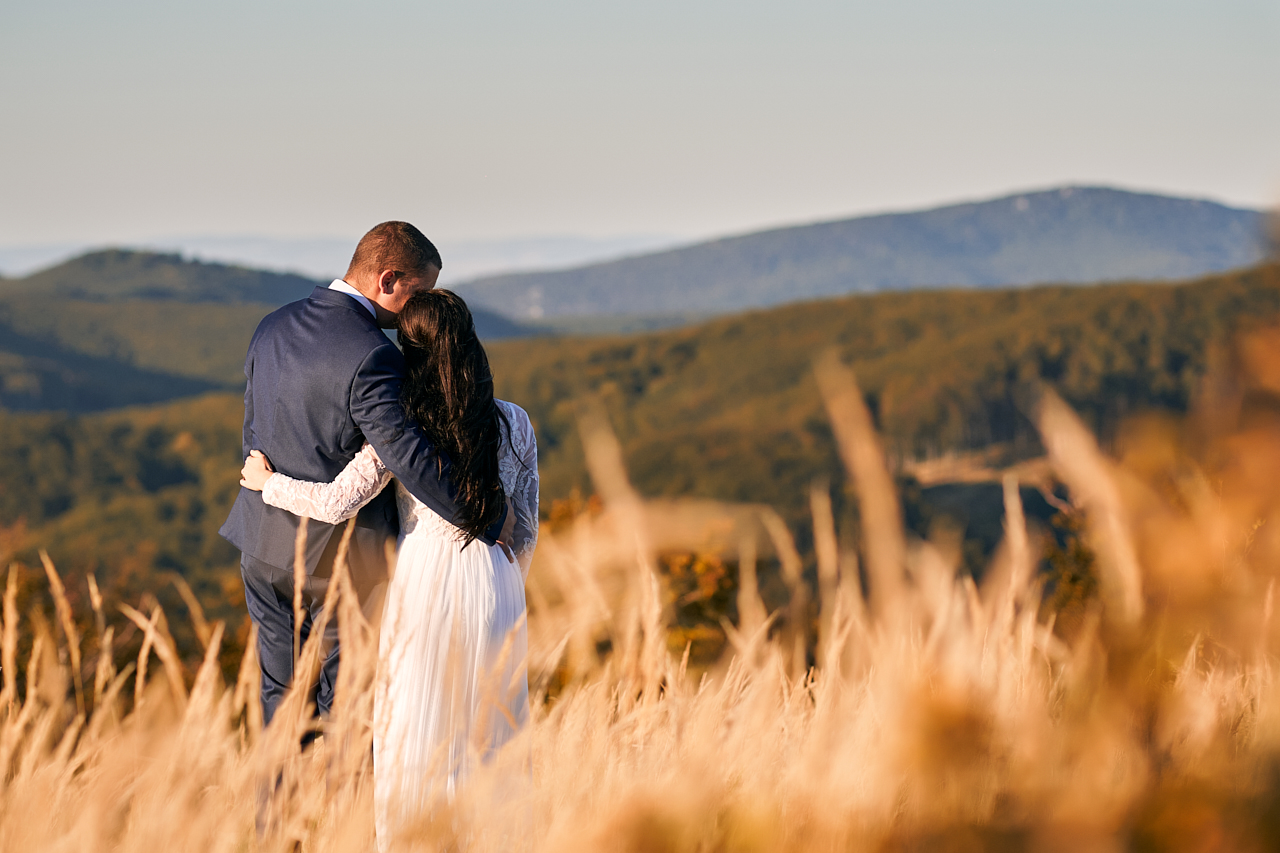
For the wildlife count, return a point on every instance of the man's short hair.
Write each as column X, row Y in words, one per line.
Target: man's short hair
column 394, row 246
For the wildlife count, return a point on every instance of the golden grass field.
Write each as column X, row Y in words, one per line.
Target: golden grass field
column 939, row 715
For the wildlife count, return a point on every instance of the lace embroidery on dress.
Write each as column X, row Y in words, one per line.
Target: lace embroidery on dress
column 518, row 470
column 335, row 502
column 414, row 514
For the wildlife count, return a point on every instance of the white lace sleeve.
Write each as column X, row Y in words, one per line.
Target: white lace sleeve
column 518, row 464
column 355, row 486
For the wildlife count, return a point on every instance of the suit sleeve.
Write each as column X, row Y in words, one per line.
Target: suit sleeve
column 247, row 435
column 403, row 448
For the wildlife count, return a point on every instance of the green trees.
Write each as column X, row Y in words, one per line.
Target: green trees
column 727, row 410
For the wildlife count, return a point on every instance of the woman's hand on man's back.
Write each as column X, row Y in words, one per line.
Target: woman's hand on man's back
column 256, row 471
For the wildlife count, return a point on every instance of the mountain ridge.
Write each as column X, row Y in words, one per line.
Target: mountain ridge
column 121, row 274
column 1062, row 235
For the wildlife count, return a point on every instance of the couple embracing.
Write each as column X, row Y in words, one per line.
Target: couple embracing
column 333, row 412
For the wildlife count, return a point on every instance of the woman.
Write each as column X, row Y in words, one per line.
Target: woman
column 452, row 683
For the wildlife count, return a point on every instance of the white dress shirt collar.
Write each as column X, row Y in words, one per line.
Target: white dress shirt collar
column 342, row 287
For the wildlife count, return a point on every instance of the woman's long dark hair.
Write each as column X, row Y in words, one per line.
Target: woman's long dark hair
column 448, row 390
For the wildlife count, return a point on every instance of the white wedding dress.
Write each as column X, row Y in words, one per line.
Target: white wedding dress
column 452, row 684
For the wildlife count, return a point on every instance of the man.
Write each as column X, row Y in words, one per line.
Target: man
column 322, row 380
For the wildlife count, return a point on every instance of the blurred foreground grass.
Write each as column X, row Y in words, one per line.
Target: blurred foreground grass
column 895, row 705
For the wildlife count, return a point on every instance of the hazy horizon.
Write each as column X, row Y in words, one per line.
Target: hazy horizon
column 324, row 256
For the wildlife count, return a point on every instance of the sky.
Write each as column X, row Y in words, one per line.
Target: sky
column 497, row 119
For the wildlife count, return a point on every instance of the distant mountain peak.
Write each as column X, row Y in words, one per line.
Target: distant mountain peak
column 1070, row 234
column 109, row 275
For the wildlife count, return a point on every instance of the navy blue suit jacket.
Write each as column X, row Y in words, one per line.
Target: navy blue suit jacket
column 322, row 380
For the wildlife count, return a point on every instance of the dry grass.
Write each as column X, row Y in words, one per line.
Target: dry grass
column 939, row 715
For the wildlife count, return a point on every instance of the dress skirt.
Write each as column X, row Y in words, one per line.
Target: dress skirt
column 452, row 683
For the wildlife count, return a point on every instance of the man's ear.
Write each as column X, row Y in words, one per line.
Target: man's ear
column 387, row 281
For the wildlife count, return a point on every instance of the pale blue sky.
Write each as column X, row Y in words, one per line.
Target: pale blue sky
column 127, row 120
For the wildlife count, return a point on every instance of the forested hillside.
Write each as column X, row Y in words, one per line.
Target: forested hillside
column 1073, row 234
column 729, row 408
column 118, row 328
column 725, row 410
column 129, row 494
